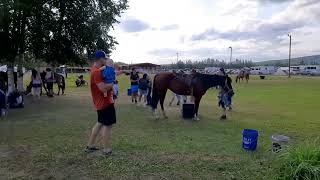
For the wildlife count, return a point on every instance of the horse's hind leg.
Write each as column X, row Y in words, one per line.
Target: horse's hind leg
column 162, row 97
column 196, row 108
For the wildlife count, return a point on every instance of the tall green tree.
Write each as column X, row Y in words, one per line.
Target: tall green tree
column 56, row 31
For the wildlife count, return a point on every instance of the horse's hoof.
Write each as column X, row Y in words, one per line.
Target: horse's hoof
column 223, row 117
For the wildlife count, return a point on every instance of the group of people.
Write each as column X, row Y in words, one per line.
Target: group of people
column 38, row 80
column 140, row 88
column 104, row 91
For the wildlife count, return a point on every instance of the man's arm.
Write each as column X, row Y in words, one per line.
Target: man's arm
column 103, row 87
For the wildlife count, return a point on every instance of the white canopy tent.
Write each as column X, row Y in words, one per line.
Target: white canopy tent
column 4, row 68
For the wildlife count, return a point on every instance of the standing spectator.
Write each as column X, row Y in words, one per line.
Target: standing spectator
column 149, row 91
column 3, row 101
column 134, row 78
column 36, row 84
column 143, row 88
column 175, row 96
column 66, row 72
column 179, row 98
column 104, row 106
column 49, row 80
column 115, row 90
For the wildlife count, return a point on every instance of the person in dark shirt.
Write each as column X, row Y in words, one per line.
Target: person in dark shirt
column 143, row 89
column 134, row 78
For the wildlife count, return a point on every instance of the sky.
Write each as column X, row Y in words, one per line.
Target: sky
column 156, row 30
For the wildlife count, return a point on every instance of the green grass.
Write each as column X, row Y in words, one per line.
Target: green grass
column 302, row 162
column 45, row 140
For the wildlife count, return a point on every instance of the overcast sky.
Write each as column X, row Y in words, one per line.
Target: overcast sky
column 155, row 30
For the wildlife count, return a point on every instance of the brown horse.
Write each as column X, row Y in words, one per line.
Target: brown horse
column 197, row 87
column 58, row 78
column 243, row 74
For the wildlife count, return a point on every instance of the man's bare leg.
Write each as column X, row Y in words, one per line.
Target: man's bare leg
column 106, row 139
column 94, row 133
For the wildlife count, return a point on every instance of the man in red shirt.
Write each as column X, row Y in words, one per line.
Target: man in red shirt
column 104, row 106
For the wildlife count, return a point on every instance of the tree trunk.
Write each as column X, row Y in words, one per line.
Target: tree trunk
column 20, row 74
column 10, row 79
column 20, row 79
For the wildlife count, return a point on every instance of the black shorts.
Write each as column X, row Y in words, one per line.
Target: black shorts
column 107, row 116
column 49, row 85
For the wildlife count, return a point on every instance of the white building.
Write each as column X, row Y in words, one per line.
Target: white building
column 310, row 70
column 263, row 70
column 211, row 70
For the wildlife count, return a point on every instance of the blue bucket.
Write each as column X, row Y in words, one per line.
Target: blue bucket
column 250, row 139
column 129, row 92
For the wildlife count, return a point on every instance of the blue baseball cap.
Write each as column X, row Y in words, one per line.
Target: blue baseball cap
column 100, row 54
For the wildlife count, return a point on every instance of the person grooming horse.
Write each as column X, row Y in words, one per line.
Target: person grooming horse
column 225, row 101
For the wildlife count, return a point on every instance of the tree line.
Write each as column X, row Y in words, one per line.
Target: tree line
column 201, row 64
column 56, row 31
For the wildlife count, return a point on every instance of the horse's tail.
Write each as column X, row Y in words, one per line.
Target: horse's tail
column 237, row 79
column 155, row 96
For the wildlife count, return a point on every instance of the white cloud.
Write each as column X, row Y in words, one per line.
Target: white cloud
column 256, row 29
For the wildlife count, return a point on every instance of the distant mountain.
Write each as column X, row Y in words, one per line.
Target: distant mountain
column 306, row 60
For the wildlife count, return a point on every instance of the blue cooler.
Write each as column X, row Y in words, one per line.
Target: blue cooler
column 129, row 92
column 250, row 139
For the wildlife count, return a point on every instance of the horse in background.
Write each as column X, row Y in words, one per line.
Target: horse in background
column 195, row 85
column 58, row 79
column 243, row 74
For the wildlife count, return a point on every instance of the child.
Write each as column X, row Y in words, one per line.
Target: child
column 143, row 88
column 225, row 99
column 222, row 99
column 108, row 73
column 223, row 103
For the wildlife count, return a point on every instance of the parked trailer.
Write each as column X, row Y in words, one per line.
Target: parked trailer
column 263, row 70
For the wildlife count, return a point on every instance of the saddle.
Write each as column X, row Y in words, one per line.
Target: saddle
column 185, row 78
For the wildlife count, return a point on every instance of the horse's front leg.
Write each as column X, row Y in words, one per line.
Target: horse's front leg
column 162, row 97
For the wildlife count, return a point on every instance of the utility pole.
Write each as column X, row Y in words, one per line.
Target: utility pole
column 230, row 54
column 177, row 57
column 289, row 56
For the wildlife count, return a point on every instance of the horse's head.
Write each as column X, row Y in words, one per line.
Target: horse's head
column 209, row 81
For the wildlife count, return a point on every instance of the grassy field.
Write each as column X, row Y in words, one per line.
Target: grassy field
column 46, row 139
